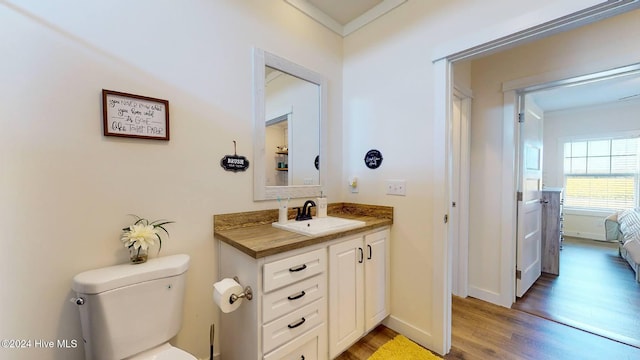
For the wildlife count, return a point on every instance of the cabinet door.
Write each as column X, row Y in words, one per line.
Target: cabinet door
column 377, row 278
column 346, row 291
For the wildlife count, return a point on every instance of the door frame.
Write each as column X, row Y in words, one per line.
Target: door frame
column 550, row 20
column 517, row 89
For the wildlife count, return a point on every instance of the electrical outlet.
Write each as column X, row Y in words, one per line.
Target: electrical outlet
column 396, row 187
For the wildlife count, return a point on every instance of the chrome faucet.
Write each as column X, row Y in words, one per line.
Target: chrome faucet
column 304, row 213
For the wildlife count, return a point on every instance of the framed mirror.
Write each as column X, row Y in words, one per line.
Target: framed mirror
column 289, row 128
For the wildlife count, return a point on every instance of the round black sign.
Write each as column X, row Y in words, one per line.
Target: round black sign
column 373, row 159
column 317, row 162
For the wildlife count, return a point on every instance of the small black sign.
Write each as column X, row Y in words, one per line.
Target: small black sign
column 234, row 163
column 373, row 159
column 317, row 162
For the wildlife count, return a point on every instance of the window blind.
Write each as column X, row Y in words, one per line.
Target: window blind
column 601, row 174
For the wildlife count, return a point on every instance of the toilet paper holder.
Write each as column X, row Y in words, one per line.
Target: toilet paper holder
column 247, row 293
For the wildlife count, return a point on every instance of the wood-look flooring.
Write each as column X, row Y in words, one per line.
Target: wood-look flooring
column 596, row 291
column 482, row 331
column 485, row 331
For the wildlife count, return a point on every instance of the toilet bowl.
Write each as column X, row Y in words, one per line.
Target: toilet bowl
column 132, row 311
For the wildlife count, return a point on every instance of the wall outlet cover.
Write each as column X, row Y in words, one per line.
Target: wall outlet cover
column 397, row 187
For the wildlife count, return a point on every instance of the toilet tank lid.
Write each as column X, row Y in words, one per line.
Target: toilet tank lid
column 113, row 277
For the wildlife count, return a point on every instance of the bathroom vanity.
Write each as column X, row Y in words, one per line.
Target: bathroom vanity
column 313, row 296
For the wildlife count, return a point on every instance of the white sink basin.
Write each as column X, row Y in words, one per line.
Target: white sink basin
column 320, row 226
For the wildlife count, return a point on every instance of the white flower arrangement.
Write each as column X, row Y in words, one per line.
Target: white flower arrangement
column 143, row 233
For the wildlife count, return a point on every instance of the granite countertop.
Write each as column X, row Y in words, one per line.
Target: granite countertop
column 252, row 233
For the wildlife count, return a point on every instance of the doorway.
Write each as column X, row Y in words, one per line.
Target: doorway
column 500, row 291
column 592, row 287
column 546, row 95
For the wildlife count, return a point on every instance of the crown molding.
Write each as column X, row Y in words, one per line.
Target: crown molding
column 355, row 24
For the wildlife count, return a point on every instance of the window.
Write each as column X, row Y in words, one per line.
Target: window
column 601, row 174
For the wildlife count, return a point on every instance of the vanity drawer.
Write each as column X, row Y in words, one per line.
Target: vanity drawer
column 287, row 271
column 292, row 325
column 292, row 297
column 307, row 346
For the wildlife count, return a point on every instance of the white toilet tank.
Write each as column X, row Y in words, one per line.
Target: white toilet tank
column 126, row 309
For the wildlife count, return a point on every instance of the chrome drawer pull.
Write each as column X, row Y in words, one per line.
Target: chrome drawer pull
column 301, row 294
column 297, row 324
column 300, row 268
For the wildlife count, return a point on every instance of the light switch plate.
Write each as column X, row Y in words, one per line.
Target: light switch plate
column 353, row 184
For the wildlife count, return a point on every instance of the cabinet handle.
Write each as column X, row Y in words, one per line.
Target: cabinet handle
column 361, row 255
column 299, row 268
column 301, row 294
column 370, row 252
column 297, row 324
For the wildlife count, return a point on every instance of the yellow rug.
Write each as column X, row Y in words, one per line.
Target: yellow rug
column 401, row 348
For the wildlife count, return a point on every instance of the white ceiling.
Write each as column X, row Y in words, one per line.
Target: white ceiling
column 347, row 16
column 604, row 90
column 344, row 11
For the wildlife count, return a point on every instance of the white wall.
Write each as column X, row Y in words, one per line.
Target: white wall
column 577, row 51
column 66, row 190
column 581, row 123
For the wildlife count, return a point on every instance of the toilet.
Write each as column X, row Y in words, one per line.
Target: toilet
column 132, row 311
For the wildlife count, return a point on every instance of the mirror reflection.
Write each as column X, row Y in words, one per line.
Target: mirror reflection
column 292, row 136
column 290, row 104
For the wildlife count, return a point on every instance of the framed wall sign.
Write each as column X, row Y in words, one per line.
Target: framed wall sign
column 135, row 116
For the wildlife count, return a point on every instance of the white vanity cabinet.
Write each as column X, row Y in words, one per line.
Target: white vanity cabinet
column 294, row 291
column 358, row 287
column 286, row 319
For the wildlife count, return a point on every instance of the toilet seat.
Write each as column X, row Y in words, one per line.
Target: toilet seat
column 163, row 352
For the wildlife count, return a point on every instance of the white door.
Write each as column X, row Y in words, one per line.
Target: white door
column 459, row 210
column 528, row 248
column 346, row 291
column 376, row 279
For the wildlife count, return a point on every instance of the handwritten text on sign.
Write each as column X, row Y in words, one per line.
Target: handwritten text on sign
column 135, row 116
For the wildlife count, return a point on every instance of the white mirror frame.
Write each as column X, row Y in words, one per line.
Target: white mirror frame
column 261, row 59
